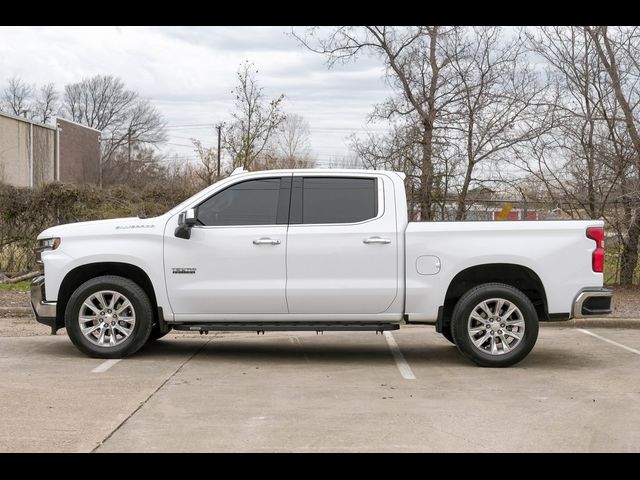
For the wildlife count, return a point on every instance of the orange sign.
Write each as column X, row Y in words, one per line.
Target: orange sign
column 504, row 213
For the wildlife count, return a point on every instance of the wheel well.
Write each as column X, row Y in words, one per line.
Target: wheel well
column 518, row 276
column 79, row 275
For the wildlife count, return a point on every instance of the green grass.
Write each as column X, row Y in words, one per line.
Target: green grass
column 611, row 265
column 16, row 287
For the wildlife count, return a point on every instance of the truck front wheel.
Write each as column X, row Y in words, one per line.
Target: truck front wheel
column 109, row 317
column 494, row 325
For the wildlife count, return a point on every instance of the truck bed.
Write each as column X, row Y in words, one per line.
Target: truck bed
column 558, row 251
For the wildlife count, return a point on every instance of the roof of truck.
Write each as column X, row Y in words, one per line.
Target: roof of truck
column 240, row 170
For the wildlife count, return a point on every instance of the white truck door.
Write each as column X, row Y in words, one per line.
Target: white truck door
column 342, row 245
column 234, row 262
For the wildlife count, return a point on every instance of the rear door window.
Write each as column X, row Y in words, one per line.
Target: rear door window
column 333, row 200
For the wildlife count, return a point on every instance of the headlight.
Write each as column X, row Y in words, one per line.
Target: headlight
column 46, row 244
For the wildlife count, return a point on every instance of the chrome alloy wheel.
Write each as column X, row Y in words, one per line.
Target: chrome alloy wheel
column 496, row 326
column 106, row 318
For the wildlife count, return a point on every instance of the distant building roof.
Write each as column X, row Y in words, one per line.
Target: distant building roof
column 26, row 120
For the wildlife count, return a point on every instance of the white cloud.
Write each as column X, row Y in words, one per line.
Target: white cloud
column 188, row 72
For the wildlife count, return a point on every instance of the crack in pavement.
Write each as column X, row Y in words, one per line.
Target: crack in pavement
column 144, row 402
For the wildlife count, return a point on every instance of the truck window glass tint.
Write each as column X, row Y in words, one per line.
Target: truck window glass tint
column 248, row 203
column 338, row 200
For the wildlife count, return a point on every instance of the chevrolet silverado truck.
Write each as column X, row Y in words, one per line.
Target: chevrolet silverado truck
column 317, row 249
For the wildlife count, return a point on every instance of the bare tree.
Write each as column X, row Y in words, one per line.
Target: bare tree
column 568, row 157
column 16, row 97
column 136, row 166
column 46, row 104
column 255, row 119
column 395, row 150
column 207, row 170
column 498, row 104
column 464, row 97
column 101, row 102
column 292, row 140
column 588, row 160
column 144, row 126
column 618, row 50
column 125, row 120
column 20, row 98
column 419, row 70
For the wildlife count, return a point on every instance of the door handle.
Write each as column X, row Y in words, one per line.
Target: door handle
column 376, row 240
column 266, row 241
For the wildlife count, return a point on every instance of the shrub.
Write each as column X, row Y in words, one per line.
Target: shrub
column 25, row 212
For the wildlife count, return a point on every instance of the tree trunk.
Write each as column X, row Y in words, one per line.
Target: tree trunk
column 629, row 257
column 20, row 278
column 609, row 61
column 462, row 200
column 426, row 178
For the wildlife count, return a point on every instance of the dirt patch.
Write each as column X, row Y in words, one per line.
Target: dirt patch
column 11, row 298
column 24, row 327
column 626, row 302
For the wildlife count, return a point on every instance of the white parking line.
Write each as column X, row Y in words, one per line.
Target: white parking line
column 403, row 366
column 629, row 349
column 106, row 365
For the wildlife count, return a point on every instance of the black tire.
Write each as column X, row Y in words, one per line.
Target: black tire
column 446, row 333
column 143, row 316
column 156, row 334
column 463, row 310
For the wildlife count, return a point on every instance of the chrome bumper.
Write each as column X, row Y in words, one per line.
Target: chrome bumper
column 594, row 302
column 45, row 312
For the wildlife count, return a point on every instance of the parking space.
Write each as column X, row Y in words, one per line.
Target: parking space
column 341, row 391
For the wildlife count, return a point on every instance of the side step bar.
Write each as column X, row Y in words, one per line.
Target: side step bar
column 285, row 326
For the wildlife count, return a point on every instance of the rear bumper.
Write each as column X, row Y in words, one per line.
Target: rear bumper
column 45, row 312
column 592, row 302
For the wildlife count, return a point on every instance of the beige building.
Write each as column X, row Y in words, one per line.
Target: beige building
column 32, row 153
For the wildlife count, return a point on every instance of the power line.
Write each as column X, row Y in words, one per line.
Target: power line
column 191, row 125
column 312, row 156
column 179, row 144
column 312, row 129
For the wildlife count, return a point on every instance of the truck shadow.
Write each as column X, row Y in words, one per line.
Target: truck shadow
column 330, row 351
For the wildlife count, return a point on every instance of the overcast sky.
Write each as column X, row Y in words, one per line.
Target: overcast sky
column 189, row 72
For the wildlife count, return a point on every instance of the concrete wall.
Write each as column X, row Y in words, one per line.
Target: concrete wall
column 18, row 165
column 44, row 155
column 79, row 153
column 14, row 152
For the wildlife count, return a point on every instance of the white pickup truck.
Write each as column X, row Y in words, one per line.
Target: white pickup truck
column 315, row 250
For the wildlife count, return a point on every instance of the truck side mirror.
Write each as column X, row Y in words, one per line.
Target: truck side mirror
column 186, row 220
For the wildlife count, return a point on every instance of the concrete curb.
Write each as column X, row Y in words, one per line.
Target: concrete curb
column 605, row 322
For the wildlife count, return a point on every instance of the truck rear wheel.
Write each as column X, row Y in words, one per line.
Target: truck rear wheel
column 109, row 317
column 494, row 325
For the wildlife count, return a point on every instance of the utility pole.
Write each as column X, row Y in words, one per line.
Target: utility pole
column 129, row 153
column 219, row 127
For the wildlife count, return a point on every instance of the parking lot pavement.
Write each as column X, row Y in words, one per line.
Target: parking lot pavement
column 51, row 401
column 334, row 392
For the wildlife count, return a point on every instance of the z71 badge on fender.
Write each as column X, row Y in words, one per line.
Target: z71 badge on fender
column 183, row 270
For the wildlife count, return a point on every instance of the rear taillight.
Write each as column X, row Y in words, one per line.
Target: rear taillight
column 597, row 257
